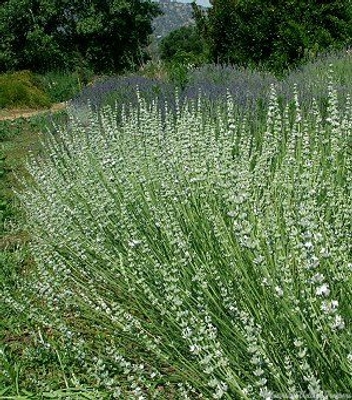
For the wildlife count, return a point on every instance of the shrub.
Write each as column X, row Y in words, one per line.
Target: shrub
column 246, row 86
column 312, row 79
column 121, row 91
column 22, row 89
column 63, row 86
column 186, row 257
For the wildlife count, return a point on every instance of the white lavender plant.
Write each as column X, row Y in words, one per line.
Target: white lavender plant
column 178, row 256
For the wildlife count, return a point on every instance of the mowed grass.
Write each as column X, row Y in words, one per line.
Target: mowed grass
column 182, row 255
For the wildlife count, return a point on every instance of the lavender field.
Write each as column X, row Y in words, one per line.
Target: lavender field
column 192, row 243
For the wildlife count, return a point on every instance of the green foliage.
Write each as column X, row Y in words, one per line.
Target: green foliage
column 16, row 344
column 178, row 74
column 26, row 89
column 181, row 49
column 274, row 34
column 16, row 136
column 22, row 89
column 46, row 35
column 183, row 45
column 61, row 86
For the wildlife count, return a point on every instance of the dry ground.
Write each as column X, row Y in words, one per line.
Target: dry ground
column 10, row 114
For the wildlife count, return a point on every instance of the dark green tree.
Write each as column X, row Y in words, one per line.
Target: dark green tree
column 106, row 35
column 275, row 34
column 183, row 45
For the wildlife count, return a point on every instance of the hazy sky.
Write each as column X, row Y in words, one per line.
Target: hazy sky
column 200, row 2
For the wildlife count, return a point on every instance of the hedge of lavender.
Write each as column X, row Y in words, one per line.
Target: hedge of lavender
column 212, row 82
column 122, row 90
column 249, row 89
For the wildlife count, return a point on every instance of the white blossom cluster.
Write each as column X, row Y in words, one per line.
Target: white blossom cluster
column 178, row 255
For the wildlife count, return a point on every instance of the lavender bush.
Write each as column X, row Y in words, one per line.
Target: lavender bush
column 245, row 85
column 182, row 257
column 249, row 89
column 122, row 90
column 212, row 82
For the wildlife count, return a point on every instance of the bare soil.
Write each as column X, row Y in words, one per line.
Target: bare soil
column 11, row 114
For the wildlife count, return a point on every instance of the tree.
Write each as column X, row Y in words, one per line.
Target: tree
column 183, row 45
column 277, row 34
column 41, row 35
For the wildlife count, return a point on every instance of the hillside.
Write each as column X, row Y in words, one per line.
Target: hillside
column 175, row 15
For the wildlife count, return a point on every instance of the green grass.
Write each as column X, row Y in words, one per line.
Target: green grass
column 17, row 344
column 22, row 362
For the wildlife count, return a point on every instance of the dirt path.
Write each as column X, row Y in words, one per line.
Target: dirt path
column 27, row 113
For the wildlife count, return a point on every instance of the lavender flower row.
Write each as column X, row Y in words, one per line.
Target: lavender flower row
column 249, row 89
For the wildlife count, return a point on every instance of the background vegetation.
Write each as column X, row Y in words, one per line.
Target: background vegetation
column 183, row 45
column 22, row 89
column 48, row 35
column 275, row 35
